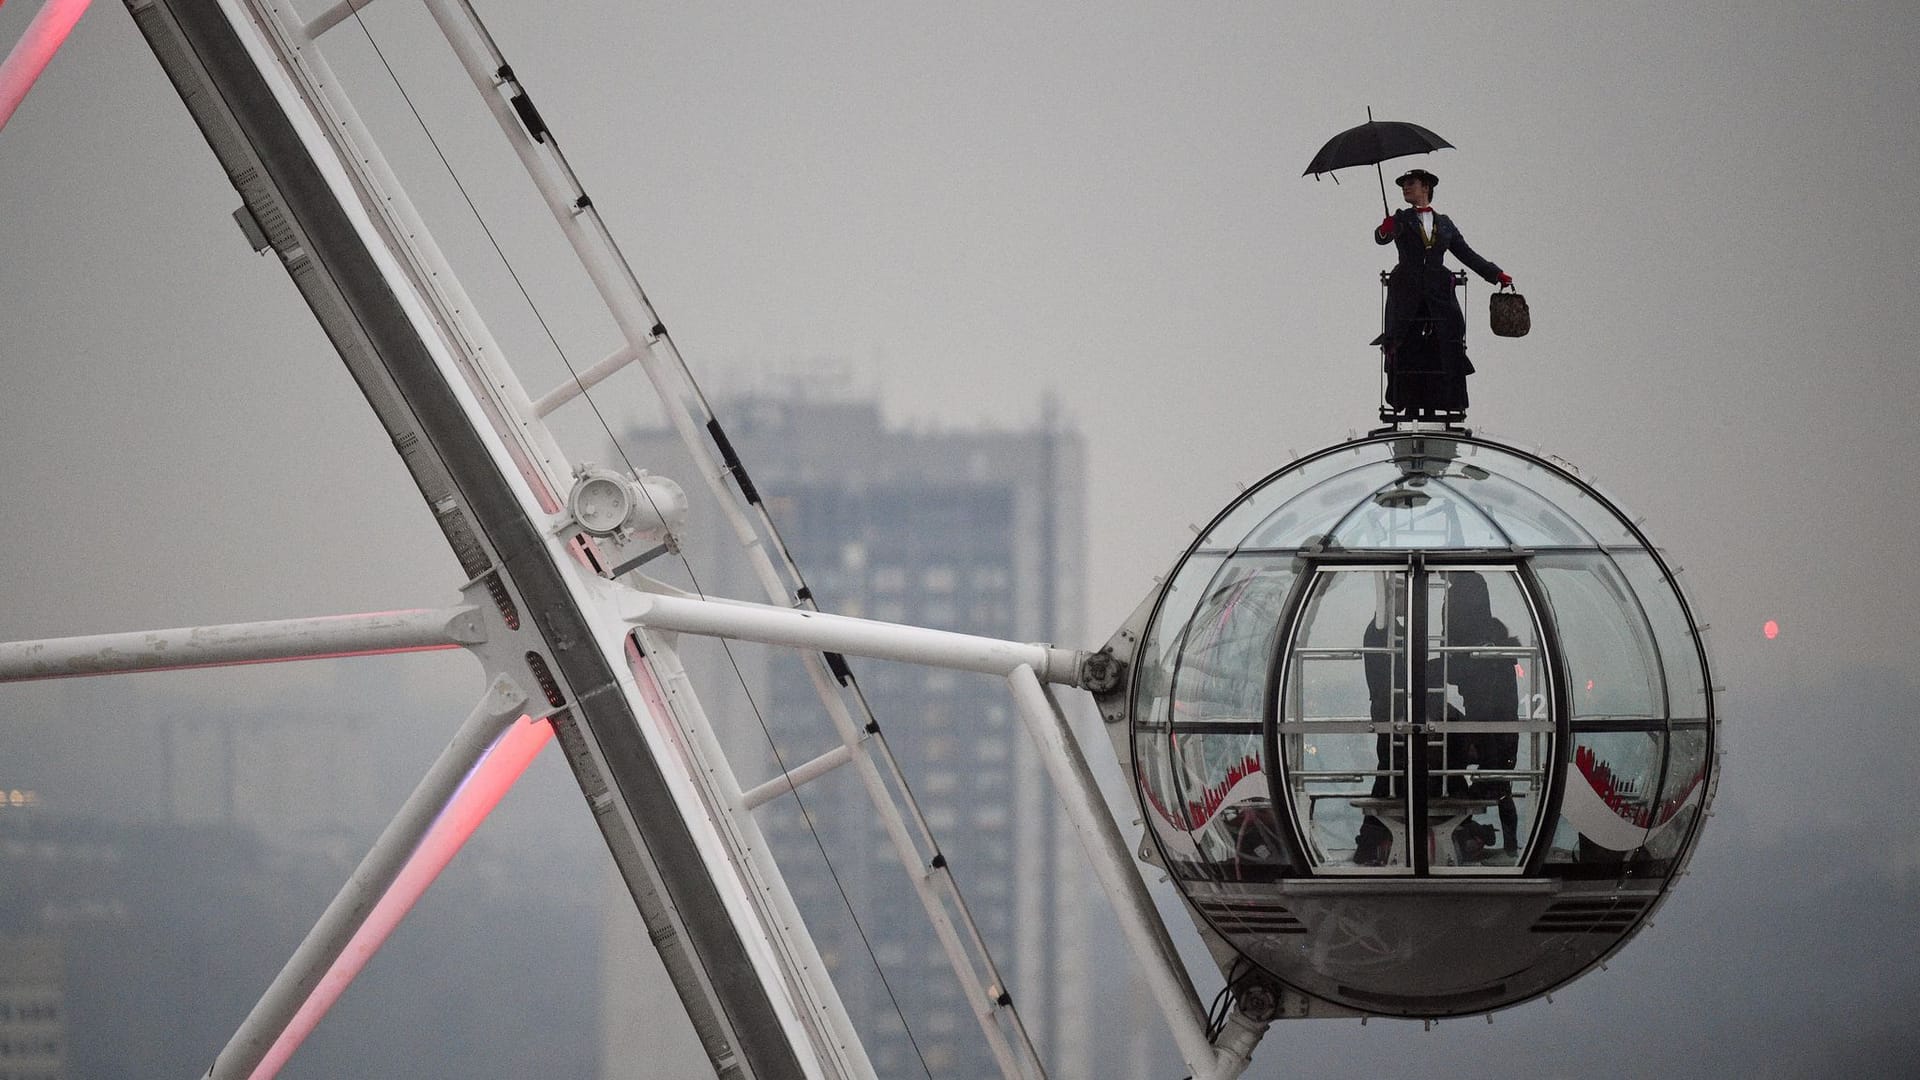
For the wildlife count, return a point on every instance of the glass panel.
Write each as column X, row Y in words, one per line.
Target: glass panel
column 1572, row 501
column 1531, row 504
column 1159, row 650
column 1268, row 509
column 1230, row 642
column 1609, row 799
column 1679, row 651
column 1519, row 512
column 1344, row 684
column 1155, row 752
column 1316, row 511
column 1682, row 792
column 1492, row 733
column 1606, row 642
column 1416, row 513
column 1232, row 832
column 1207, row 660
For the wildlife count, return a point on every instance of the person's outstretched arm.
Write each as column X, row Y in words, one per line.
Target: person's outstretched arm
column 1478, row 265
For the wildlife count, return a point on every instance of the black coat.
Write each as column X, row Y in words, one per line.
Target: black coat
column 1421, row 280
column 1489, row 693
column 1425, row 332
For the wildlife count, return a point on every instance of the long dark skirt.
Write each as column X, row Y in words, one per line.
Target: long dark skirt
column 1427, row 374
column 1425, row 341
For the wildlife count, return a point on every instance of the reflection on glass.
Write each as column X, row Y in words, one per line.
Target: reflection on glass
column 1593, row 518
column 1416, row 513
column 1519, row 512
column 1681, row 793
column 1159, row 653
column 1316, row 511
column 1610, row 798
column 1607, row 645
column 1265, row 512
column 1206, row 661
column 1230, row 808
column 1211, row 807
column 1672, row 631
column 1154, row 751
column 1519, row 501
column 1230, row 641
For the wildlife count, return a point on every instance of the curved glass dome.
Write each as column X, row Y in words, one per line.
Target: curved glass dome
column 1421, row 726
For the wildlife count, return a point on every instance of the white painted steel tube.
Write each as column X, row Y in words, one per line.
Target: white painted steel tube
column 333, row 17
column 1233, row 1051
column 502, row 704
column 843, row 634
column 1113, row 866
column 796, row 776
column 585, row 381
column 241, row 643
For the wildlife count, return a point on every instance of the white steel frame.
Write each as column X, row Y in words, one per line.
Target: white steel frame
column 652, row 348
column 526, row 455
column 1026, row 669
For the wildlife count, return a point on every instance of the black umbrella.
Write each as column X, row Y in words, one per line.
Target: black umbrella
column 1372, row 143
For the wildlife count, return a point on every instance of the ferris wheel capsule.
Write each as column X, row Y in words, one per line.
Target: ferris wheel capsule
column 1420, row 726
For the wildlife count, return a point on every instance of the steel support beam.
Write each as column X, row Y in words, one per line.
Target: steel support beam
column 1024, row 666
column 1113, row 866
column 796, row 776
column 333, row 16
column 585, row 381
column 241, row 643
column 502, row 704
column 801, row 628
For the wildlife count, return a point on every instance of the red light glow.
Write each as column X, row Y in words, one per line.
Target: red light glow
column 478, row 795
column 44, row 36
column 1771, row 629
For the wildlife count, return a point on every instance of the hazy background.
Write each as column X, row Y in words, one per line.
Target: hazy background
column 961, row 208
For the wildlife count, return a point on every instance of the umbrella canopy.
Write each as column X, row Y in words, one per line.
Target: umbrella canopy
column 1372, row 143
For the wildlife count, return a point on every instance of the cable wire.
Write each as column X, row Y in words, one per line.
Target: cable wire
column 686, row 564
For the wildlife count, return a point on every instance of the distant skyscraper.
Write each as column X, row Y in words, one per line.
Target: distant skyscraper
column 978, row 531
column 33, row 1017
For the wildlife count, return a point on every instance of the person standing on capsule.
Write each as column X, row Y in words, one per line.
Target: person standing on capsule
column 1426, row 332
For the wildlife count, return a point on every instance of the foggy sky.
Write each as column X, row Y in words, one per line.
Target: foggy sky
column 961, row 209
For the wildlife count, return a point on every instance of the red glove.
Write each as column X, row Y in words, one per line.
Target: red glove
column 1506, row 279
column 1386, row 226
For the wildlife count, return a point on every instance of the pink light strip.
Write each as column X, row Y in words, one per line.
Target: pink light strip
column 44, row 36
column 482, row 791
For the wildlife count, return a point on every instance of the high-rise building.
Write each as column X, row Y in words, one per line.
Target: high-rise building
column 33, row 1021
column 978, row 531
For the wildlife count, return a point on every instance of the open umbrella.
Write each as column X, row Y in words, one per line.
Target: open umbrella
column 1372, row 143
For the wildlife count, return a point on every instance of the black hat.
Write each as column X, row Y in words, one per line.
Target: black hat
column 1421, row 175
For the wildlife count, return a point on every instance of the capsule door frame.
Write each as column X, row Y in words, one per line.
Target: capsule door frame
column 1412, row 574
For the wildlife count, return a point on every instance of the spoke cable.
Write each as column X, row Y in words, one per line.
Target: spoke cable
column 739, row 676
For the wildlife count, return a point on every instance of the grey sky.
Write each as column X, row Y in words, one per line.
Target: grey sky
column 1708, row 206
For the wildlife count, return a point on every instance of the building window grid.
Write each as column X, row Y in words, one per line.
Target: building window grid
column 951, row 567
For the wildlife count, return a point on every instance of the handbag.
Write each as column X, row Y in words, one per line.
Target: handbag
column 1508, row 312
